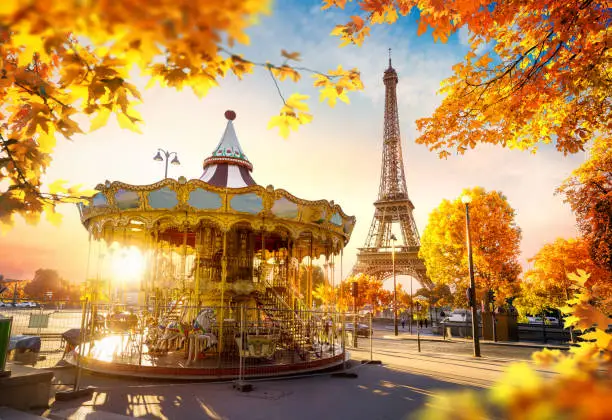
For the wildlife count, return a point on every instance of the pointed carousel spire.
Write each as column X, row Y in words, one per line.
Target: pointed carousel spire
column 228, row 166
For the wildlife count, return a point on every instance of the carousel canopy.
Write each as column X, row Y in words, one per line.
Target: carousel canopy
column 228, row 166
column 225, row 196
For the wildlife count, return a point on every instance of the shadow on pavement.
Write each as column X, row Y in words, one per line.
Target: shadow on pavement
column 379, row 392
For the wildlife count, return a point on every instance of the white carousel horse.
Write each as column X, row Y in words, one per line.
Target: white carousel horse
column 201, row 339
column 205, row 319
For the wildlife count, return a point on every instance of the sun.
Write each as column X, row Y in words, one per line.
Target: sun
column 128, row 264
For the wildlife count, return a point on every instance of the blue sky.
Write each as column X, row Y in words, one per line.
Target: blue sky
column 336, row 157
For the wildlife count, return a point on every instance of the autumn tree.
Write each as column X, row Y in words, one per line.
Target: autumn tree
column 47, row 280
column 324, row 294
column 551, row 265
column 63, row 59
column 495, row 245
column 439, row 295
column 370, row 292
column 536, row 71
column 318, row 277
column 589, row 193
column 13, row 290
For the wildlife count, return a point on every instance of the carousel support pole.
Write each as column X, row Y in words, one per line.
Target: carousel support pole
column 332, row 267
column 184, row 259
column 223, row 279
column 326, row 281
column 262, row 264
column 196, row 275
column 309, row 291
column 341, row 298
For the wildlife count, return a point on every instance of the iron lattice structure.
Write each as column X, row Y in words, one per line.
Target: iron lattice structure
column 393, row 206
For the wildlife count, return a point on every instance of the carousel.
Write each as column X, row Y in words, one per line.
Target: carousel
column 220, row 266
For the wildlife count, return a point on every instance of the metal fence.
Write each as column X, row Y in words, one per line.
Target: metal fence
column 157, row 340
column 36, row 334
column 249, row 342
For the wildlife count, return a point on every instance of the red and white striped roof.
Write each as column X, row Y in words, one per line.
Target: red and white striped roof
column 228, row 166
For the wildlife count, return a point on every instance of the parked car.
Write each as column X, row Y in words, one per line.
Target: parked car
column 550, row 320
column 362, row 329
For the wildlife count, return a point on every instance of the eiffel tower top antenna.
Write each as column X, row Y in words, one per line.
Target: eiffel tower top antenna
column 390, row 58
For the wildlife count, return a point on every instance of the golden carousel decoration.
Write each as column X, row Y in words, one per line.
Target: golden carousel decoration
column 219, row 292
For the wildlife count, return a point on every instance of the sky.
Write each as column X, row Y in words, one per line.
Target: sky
column 336, row 157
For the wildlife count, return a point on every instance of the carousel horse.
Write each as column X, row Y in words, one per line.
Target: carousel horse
column 200, row 340
column 172, row 337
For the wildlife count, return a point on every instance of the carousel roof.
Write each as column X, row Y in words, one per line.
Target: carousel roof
column 228, row 166
column 225, row 195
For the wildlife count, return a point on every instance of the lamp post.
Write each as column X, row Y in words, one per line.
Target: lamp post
column 466, row 199
column 393, row 239
column 411, row 308
column 165, row 155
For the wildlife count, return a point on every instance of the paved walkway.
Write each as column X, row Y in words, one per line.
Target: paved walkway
column 426, row 335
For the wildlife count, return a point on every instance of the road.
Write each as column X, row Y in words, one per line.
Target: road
column 394, row 390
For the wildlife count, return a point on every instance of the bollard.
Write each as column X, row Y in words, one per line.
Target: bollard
column 371, row 335
column 5, row 338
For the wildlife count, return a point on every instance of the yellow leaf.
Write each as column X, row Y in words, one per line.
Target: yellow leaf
column 519, row 377
column 125, row 122
column 390, row 14
column 297, row 101
column 57, row 187
column 100, row 119
column 8, row 7
column 304, row 118
column 282, row 122
column 603, row 339
column 54, row 217
column 338, row 30
column 46, row 142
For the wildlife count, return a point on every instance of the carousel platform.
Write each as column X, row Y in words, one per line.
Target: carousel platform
column 119, row 355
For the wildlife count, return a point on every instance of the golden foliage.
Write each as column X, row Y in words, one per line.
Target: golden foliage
column 589, row 193
column 495, row 244
column 546, row 284
column 371, row 292
column 537, row 71
column 62, row 59
column 582, row 388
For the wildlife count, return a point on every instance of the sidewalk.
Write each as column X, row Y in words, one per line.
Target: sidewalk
column 426, row 335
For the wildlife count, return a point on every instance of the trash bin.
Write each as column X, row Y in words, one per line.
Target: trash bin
column 5, row 338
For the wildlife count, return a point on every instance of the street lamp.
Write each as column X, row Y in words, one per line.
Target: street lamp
column 166, row 155
column 393, row 239
column 466, row 199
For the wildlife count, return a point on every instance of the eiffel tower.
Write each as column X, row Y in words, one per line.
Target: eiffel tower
column 393, row 206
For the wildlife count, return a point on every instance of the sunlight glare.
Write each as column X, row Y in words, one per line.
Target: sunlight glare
column 128, row 264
